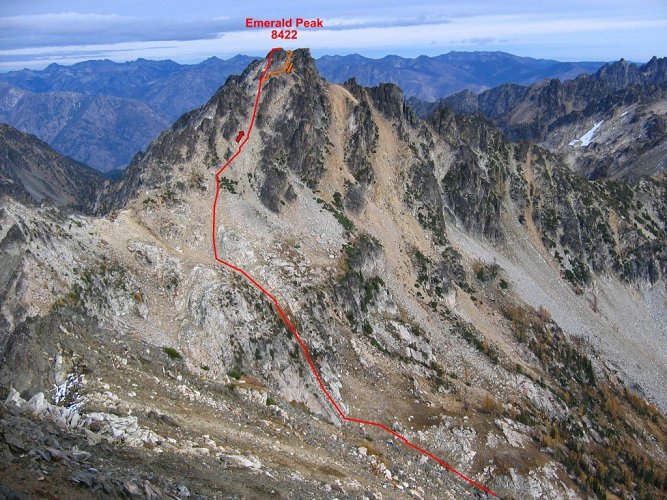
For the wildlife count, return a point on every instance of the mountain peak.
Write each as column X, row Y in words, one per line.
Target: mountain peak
column 303, row 59
column 213, row 60
column 618, row 75
column 288, row 102
column 655, row 71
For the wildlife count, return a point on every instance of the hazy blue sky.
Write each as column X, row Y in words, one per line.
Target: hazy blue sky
column 36, row 33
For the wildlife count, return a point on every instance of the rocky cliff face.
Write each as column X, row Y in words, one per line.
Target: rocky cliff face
column 472, row 293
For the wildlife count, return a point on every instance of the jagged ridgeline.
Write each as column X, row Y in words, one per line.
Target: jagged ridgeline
column 473, row 293
column 620, row 108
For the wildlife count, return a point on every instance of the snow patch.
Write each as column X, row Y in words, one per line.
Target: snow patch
column 66, row 394
column 585, row 139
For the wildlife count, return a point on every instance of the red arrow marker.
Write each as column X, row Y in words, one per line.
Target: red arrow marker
column 240, row 136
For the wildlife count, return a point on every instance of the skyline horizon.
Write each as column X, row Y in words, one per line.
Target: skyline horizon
column 223, row 57
column 35, row 34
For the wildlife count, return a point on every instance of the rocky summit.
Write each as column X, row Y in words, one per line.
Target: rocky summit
column 474, row 294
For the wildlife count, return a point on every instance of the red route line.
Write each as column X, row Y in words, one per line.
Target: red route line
column 284, row 316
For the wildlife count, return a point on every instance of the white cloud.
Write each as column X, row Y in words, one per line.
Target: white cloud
column 62, row 22
column 72, row 28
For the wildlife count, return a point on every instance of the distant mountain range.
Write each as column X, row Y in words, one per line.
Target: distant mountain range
column 102, row 112
column 169, row 88
column 100, row 130
column 430, row 78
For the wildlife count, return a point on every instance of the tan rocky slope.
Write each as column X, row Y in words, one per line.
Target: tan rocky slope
column 420, row 262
